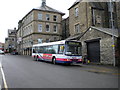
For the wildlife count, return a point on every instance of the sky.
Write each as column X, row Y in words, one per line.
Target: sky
column 11, row 11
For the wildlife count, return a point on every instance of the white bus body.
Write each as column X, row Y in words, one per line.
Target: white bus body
column 58, row 52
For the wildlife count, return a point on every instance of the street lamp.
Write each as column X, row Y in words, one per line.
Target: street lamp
column 112, row 26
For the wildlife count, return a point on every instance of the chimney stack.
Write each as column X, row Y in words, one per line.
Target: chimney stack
column 43, row 3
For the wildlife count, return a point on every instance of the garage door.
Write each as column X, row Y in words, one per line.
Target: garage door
column 93, row 51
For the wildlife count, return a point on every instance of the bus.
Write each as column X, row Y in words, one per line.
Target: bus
column 65, row 51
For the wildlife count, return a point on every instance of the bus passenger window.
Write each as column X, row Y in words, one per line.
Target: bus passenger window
column 61, row 49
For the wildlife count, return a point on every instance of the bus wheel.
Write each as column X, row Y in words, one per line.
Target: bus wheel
column 36, row 58
column 54, row 60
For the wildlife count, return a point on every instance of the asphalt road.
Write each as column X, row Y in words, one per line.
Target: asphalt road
column 23, row 72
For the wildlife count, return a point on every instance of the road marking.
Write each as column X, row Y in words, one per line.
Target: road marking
column 116, row 74
column 3, row 76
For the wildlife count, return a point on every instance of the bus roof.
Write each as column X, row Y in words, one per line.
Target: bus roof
column 50, row 43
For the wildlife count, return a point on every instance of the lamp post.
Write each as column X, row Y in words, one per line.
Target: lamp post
column 112, row 26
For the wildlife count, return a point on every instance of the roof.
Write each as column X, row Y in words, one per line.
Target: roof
column 107, row 30
column 75, row 3
column 49, row 9
column 76, row 36
column 96, row 5
column 44, row 8
column 93, row 4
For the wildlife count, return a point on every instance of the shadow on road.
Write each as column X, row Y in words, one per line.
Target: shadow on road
column 61, row 64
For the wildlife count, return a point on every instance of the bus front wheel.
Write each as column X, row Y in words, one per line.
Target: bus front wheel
column 54, row 60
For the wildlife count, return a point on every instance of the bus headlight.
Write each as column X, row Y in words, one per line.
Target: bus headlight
column 68, row 60
column 80, row 60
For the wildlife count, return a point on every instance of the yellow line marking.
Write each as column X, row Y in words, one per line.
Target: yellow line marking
column 4, row 80
column 116, row 73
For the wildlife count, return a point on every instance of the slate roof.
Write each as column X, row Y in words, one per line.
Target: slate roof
column 49, row 9
column 75, row 3
column 75, row 37
column 93, row 4
column 108, row 31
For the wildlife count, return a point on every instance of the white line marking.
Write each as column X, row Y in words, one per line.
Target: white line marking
column 0, row 65
column 3, row 76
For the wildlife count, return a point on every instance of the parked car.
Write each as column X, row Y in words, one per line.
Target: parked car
column 2, row 52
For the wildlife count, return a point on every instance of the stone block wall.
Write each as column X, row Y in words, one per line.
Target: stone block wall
column 106, row 49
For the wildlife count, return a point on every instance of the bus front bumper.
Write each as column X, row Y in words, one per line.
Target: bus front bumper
column 69, row 62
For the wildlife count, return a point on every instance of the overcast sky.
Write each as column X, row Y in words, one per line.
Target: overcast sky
column 11, row 11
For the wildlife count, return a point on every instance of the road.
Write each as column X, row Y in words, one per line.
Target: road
column 24, row 72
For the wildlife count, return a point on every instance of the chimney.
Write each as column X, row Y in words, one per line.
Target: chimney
column 43, row 3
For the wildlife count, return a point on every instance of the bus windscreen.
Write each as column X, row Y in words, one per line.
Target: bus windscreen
column 73, row 48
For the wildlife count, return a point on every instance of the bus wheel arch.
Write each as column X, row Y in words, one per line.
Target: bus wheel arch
column 36, row 58
column 54, row 60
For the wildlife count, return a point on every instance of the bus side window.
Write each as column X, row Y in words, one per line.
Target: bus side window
column 61, row 49
column 55, row 48
column 50, row 50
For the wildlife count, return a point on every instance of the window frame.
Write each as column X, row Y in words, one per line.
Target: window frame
column 76, row 12
column 55, row 27
column 55, row 17
column 77, row 28
column 47, row 28
column 40, row 27
column 39, row 40
column 48, row 17
column 40, row 16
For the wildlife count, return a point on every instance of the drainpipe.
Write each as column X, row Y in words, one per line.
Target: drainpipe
column 87, row 14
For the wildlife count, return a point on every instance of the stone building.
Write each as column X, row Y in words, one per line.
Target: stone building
column 10, row 41
column 90, row 23
column 65, row 28
column 19, row 38
column 82, row 15
column 118, row 23
column 1, row 46
column 42, row 24
column 98, row 44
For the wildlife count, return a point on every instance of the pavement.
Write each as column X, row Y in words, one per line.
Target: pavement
column 101, row 69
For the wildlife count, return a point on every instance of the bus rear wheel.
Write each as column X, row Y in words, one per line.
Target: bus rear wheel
column 54, row 60
column 36, row 58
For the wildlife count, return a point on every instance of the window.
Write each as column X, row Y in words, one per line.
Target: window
column 61, row 49
column 98, row 19
column 39, row 27
column 39, row 16
column 40, row 40
column 13, row 39
column 47, row 28
column 73, row 50
column 76, row 12
column 55, row 38
column 77, row 28
column 54, row 18
column 47, row 17
column 93, row 17
column 55, row 28
column 47, row 40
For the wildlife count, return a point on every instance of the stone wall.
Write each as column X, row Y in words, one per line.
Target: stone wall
column 106, row 50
